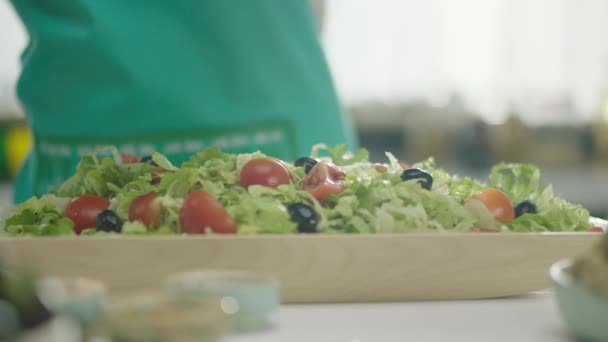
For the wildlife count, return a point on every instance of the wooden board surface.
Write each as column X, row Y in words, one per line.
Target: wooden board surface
column 314, row 269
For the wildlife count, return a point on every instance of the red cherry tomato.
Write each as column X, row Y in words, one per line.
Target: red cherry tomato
column 595, row 230
column 482, row 230
column 83, row 211
column 498, row 203
column 146, row 210
column 335, row 173
column 129, row 158
column 156, row 178
column 404, row 165
column 200, row 211
column 267, row 171
column 324, row 179
column 381, row 168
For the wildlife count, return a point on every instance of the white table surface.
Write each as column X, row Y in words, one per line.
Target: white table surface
column 534, row 317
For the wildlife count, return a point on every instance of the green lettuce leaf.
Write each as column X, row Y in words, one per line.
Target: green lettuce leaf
column 162, row 161
column 101, row 177
column 523, row 182
column 340, row 155
column 519, row 181
column 262, row 210
column 38, row 217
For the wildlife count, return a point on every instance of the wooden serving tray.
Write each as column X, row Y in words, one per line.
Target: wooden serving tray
column 318, row 268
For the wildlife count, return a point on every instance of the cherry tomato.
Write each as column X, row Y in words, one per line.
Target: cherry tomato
column 324, row 179
column 129, row 158
column 404, row 165
column 200, row 211
column 595, row 230
column 381, row 168
column 156, row 171
column 498, row 203
column 266, row 171
column 146, row 210
column 482, row 230
column 335, row 172
column 83, row 211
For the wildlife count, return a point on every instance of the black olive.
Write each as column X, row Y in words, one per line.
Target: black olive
column 525, row 207
column 305, row 216
column 308, row 163
column 148, row 160
column 108, row 221
column 424, row 178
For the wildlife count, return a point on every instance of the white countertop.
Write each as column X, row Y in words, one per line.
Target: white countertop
column 533, row 317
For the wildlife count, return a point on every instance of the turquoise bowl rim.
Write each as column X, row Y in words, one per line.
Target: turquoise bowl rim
column 583, row 310
column 258, row 296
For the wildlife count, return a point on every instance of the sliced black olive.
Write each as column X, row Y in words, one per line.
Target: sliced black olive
column 424, row 178
column 148, row 160
column 108, row 221
column 305, row 216
column 525, row 207
column 308, row 163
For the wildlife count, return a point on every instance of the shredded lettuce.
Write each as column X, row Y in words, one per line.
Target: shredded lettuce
column 518, row 181
column 557, row 214
column 103, row 177
column 340, row 155
column 523, row 182
column 162, row 161
column 39, row 217
column 138, row 228
column 375, row 200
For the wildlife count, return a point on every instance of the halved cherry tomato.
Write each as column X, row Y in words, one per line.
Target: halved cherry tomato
column 200, row 211
column 595, row 230
column 146, row 210
column 129, row 158
column 381, row 168
column 335, row 173
column 498, row 203
column 323, row 179
column 83, row 211
column 404, row 166
column 482, row 230
column 267, row 171
column 156, row 178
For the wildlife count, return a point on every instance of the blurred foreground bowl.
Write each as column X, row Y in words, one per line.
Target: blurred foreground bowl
column 584, row 311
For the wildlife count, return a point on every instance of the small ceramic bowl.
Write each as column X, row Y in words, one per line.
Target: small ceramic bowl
column 249, row 299
column 79, row 298
column 584, row 311
column 157, row 317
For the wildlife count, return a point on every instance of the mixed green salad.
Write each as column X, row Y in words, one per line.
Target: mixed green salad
column 341, row 192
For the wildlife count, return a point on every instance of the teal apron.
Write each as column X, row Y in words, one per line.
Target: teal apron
column 171, row 76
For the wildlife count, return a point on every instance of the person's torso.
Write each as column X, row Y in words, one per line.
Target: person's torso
column 174, row 76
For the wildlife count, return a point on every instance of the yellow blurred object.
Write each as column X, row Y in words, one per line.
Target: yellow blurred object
column 18, row 143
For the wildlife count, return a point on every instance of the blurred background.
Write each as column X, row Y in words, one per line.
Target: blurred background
column 470, row 82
